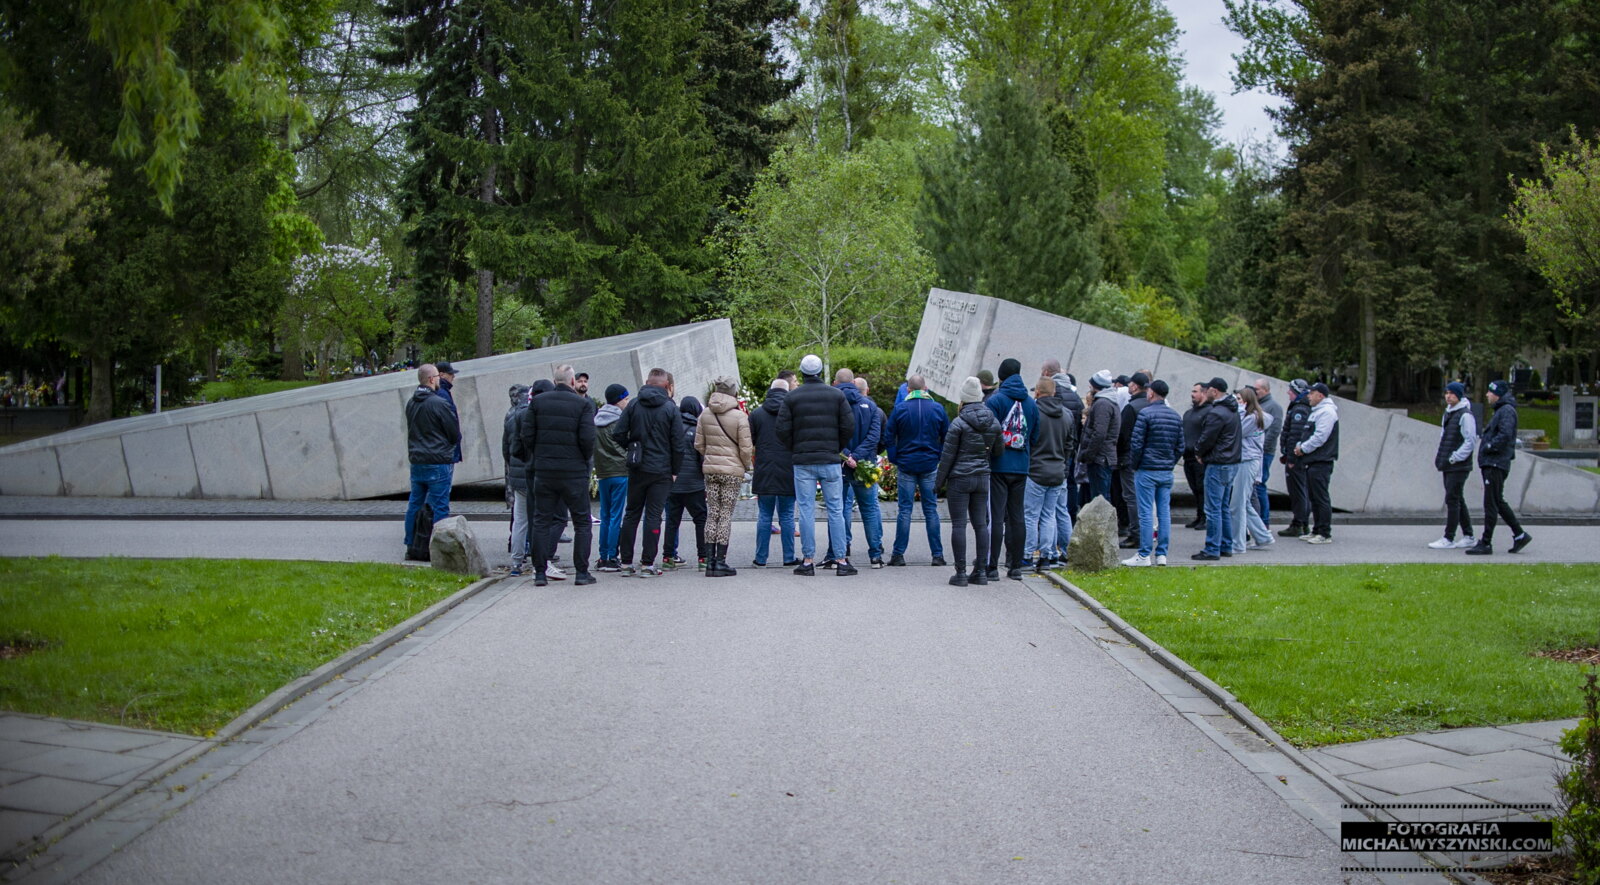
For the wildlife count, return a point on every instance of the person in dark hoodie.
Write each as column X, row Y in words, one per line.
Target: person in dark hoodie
column 862, row 449
column 1137, row 400
column 1048, row 459
column 1008, row 479
column 1067, row 390
column 1219, row 447
column 816, row 423
column 447, row 383
column 915, row 439
column 1496, row 447
column 772, row 480
column 688, row 493
column 1296, row 429
column 558, row 440
column 970, row 446
column 516, row 478
column 553, row 571
column 651, row 432
column 611, row 475
column 432, row 435
column 1194, row 473
column 1101, row 424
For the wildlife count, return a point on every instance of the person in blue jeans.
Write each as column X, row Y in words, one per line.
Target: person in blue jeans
column 862, row 448
column 1270, row 452
column 1050, row 454
column 772, row 479
column 611, row 475
column 915, row 438
column 1154, row 451
column 816, row 424
column 1219, row 446
column 433, row 436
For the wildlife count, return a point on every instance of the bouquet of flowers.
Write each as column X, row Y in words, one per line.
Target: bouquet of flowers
column 868, row 473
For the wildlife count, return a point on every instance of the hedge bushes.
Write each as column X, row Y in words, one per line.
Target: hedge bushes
column 884, row 369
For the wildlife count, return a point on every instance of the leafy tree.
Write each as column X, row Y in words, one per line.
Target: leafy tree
column 999, row 215
column 342, row 304
column 823, row 252
column 48, row 207
column 1558, row 215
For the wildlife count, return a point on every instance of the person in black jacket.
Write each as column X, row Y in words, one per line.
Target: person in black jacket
column 1128, row 511
column 516, row 477
column 1458, row 439
column 773, row 479
column 432, row 435
column 1219, row 447
column 688, row 493
column 558, row 440
column 1194, row 473
column 816, row 424
column 650, row 431
column 1497, row 447
column 970, row 445
column 1296, row 430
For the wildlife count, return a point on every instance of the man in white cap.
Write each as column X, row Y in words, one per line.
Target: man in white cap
column 816, row 425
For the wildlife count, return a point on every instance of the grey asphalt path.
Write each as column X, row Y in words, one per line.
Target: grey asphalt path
column 764, row 728
column 379, row 541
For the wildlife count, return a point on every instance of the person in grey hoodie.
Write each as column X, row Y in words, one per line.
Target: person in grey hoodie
column 1458, row 439
column 972, row 440
column 611, row 475
column 1048, row 458
column 516, row 478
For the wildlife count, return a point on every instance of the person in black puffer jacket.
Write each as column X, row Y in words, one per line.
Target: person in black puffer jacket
column 773, row 477
column 1458, row 438
column 1219, row 447
column 1497, row 447
column 688, row 493
column 1102, row 423
column 816, row 424
column 970, row 445
column 432, row 435
column 1297, row 429
column 652, row 421
column 557, row 435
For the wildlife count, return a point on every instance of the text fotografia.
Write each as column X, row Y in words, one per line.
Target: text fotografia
column 1489, row 837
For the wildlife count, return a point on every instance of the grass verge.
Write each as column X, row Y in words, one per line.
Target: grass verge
column 1329, row 654
column 187, row 645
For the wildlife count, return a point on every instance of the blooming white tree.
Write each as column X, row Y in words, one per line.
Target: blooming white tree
column 342, row 305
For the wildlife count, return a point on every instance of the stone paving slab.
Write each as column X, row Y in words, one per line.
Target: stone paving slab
column 1385, row 753
column 91, row 766
column 52, row 795
column 1477, row 741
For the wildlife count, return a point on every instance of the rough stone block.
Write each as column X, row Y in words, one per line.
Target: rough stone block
column 228, row 458
column 161, row 463
column 692, row 356
column 298, row 444
column 454, row 548
column 30, row 472
column 1094, row 538
column 1555, row 488
column 94, row 468
column 369, row 436
column 1403, row 475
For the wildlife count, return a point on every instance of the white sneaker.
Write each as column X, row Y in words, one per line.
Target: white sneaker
column 1161, row 560
column 554, row 572
column 1136, row 560
column 1318, row 539
column 1465, row 542
column 1442, row 544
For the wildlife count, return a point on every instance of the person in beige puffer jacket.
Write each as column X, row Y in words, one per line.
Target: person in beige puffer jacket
column 723, row 440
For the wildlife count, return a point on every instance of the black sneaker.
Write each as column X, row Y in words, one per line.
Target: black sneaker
column 937, row 560
column 806, row 570
column 959, row 579
column 897, row 560
column 1520, row 542
column 1014, row 574
column 830, row 563
column 541, row 581
column 877, row 563
column 844, row 569
column 583, row 579
column 1129, row 543
column 1295, row 530
column 757, row 564
column 1203, row 556
column 609, row 565
column 991, row 574
column 1227, row 553
column 1484, row 548
column 977, row 578
column 1198, row 523
column 790, row 563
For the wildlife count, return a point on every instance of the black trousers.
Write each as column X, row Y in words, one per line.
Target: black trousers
column 695, row 503
column 1494, row 504
column 553, row 498
column 968, row 498
column 1295, row 478
column 1127, row 503
column 1455, row 504
column 1318, row 475
column 1194, row 473
column 555, row 534
column 1006, row 491
column 647, row 494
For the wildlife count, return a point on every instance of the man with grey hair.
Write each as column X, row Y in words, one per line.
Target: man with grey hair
column 557, row 434
column 432, row 438
column 1269, row 450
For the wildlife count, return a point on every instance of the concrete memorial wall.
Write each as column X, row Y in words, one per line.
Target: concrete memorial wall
column 344, row 440
column 1385, row 460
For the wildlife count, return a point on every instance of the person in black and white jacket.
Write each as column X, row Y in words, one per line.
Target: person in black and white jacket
column 1458, row 439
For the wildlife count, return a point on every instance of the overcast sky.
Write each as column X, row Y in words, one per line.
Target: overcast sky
column 1208, row 47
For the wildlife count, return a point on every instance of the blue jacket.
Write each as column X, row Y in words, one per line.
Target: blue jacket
column 863, row 444
column 915, row 436
column 1013, row 390
column 1497, row 445
column 1157, row 442
column 444, row 391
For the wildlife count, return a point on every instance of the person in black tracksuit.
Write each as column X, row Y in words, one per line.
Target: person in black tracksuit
column 1194, row 473
column 652, row 421
column 1128, row 512
column 688, row 493
column 1296, row 430
column 1496, row 448
column 557, row 433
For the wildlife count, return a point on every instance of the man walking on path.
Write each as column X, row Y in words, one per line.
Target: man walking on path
column 1218, row 447
column 1130, row 413
column 915, row 438
column 558, row 433
column 1019, row 423
column 1495, row 452
column 1296, row 429
column 649, row 433
column 433, row 436
column 1153, row 451
column 1101, row 425
column 611, row 475
column 1270, row 450
column 816, row 424
column 1194, row 473
column 1317, row 454
column 773, row 479
column 1458, row 439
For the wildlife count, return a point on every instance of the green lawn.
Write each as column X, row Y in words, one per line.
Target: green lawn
column 187, row 645
column 1329, row 654
column 1528, row 418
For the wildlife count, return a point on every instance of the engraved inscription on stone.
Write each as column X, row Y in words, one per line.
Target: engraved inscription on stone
column 940, row 363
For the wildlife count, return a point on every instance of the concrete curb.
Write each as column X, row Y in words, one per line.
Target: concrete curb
column 254, row 716
column 1225, row 699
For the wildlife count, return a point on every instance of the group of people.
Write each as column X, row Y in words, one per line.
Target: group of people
column 1016, row 465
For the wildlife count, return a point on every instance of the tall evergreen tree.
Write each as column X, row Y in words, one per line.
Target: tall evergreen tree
column 744, row 79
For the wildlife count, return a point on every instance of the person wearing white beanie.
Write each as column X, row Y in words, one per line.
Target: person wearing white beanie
column 971, row 390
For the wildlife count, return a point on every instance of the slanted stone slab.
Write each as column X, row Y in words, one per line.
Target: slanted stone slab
column 95, row 467
column 298, row 444
column 161, row 463
column 1552, row 488
column 476, row 465
column 30, row 472
column 1389, row 481
column 228, row 458
column 369, row 435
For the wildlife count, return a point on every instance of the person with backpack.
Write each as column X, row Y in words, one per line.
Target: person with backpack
column 649, row 431
column 970, row 446
column 432, row 437
column 688, row 493
column 1008, row 478
column 1048, row 460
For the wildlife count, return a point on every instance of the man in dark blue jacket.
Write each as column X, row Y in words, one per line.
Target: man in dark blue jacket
column 1497, row 446
column 1154, row 449
column 1008, row 474
column 447, row 383
column 915, row 439
column 862, row 449
column 432, row 438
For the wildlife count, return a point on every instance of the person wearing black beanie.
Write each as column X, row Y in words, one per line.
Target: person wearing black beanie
column 1010, row 366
